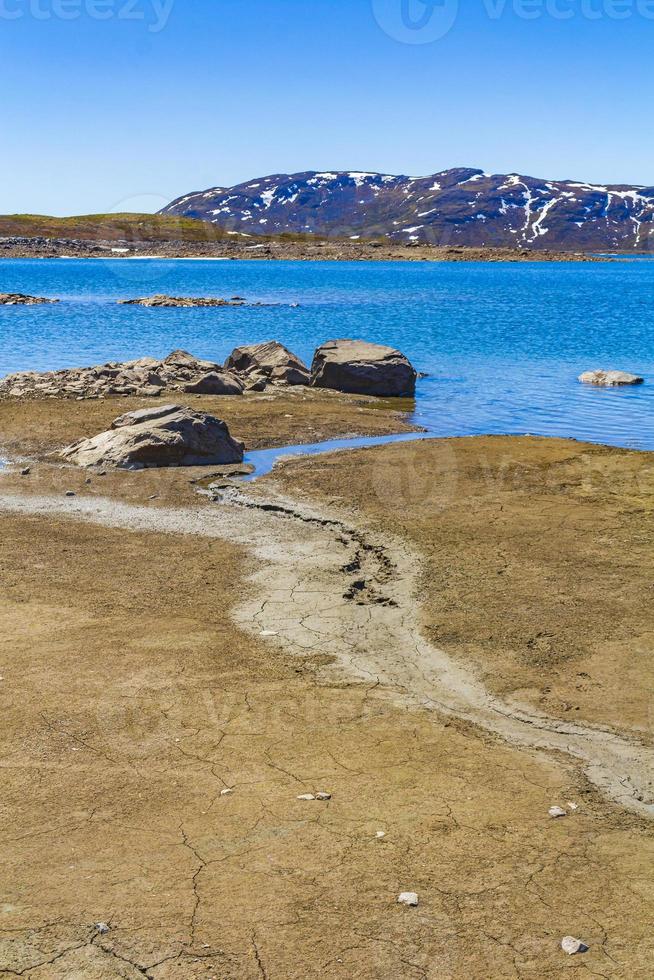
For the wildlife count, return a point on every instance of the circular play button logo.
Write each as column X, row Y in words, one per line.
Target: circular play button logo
column 415, row 21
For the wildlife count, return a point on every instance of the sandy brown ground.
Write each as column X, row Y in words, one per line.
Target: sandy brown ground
column 131, row 699
column 539, row 562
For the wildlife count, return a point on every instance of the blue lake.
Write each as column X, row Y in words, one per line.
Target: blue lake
column 502, row 343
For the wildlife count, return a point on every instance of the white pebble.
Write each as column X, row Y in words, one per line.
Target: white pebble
column 408, row 898
column 380, row 834
column 573, row 806
column 268, row 633
column 306, row 796
column 557, row 811
column 226, row 792
column 570, row 945
column 323, row 796
column 101, row 927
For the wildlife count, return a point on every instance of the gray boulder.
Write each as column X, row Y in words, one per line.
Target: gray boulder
column 215, row 383
column 167, row 435
column 271, row 360
column 610, row 379
column 182, row 360
column 361, row 368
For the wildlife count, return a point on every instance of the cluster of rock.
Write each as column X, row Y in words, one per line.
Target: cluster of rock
column 181, row 301
column 610, row 379
column 166, row 435
column 22, row 299
column 184, row 302
column 146, row 376
column 352, row 366
column 343, row 365
column 151, row 302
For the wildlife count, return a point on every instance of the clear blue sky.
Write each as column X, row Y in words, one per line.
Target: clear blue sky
column 125, row 113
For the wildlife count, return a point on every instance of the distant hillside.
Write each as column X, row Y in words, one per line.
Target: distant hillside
column 454, row 207
column 124, row 227
column 109, row 227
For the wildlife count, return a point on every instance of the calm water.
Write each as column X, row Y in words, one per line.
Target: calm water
column 502, row 343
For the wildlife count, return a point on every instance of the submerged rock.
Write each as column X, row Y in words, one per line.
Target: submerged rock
column 22, row 299
column 361, row 368
column 610, row 379
column 168, row 435
column 270, row 361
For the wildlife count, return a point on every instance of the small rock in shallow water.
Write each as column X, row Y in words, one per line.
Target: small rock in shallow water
column 610, row 379
column 70, row 493
column 570, row 945
column 408, row 898
column 323, row 796
column 557, row 811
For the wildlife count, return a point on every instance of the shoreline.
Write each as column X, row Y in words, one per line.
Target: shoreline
column 281, row 251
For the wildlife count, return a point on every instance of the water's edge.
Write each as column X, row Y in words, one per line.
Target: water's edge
column 264, row 460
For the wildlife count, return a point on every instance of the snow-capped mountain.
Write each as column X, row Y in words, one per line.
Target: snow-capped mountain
column 454, row 207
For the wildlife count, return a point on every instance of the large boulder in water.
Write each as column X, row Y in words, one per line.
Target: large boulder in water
column 361, row 368
column 610, row 379
column 168, row 435
column 270, row 360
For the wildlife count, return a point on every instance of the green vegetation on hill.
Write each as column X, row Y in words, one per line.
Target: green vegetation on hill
column 110, row 227
column 124, row 227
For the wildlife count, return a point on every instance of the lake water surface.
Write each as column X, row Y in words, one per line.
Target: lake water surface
column 502, row 343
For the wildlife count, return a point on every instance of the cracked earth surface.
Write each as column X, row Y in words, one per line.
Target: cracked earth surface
column 293, row 659
column 328, row 588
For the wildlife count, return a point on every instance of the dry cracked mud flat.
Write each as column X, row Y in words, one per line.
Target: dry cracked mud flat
column 179, row 671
